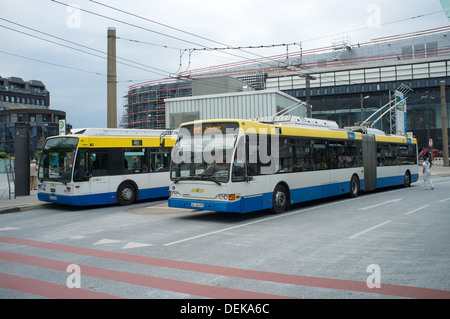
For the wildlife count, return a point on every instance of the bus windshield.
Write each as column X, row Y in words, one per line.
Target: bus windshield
column 204, row 153
column 57, row 159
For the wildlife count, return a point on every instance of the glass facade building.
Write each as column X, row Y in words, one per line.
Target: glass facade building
column 26, row 104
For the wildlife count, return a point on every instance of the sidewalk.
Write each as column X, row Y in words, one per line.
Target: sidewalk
column 20, row 203
column 24, row 203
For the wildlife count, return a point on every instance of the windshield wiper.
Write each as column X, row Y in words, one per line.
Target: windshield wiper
column 184, row 178
column 49, row 179
column 210, row 178
column 204, row 177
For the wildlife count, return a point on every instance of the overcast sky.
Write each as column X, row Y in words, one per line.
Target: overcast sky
column 76, row 79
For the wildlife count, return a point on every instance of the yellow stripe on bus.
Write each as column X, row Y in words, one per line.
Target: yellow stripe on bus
column 122, row 141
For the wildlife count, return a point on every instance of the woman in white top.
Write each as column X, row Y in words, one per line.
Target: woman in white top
column 427, row 174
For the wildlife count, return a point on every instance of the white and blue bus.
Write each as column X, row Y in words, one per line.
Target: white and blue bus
column 243, row 165
column 105, row 166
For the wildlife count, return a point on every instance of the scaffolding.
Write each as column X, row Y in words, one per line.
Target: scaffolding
column 340, row 46
column 144, row 107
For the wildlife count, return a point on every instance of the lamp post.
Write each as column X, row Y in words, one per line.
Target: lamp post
column 427, row 97
column 308, row 78
column 362, row 106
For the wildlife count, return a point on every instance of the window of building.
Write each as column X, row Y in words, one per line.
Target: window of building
column 407, row 52
column 432, row 48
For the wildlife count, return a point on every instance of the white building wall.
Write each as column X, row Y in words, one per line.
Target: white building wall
column 241, row 105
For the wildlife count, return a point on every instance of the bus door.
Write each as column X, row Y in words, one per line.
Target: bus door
column 91, row 172
column 257, row 195
column 370, row 162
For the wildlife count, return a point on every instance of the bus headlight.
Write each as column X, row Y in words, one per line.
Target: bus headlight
column 227, row 196
column 174, row 194
column 222, row 196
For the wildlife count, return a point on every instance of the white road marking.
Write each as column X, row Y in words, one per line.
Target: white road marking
column 255, row 222
column 369, row 229
column 107, row 241
column 444, row 200
column 133, row 244
column 417, row 209
column 78, row 237
column 292, row 213
column 8, row 228
column 380, row 204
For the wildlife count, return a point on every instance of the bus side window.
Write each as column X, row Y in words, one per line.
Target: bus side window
column 159, row 162
column 99, row 162
column 135, row 160
column 116, row 161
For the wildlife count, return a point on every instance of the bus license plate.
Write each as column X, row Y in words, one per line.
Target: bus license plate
column 198, row 205
column 53, row 197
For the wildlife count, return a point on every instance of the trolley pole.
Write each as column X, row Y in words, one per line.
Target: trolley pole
column 444, row 124
column 112, row 80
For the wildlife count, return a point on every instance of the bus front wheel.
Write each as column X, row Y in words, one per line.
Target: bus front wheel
column 280, row 199
column 126, row 194
column 407, row 179
column 354, row 186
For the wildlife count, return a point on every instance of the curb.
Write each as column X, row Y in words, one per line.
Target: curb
column 21, row 208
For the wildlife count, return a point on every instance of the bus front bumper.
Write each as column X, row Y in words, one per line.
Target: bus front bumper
column 221, row 206
column 82, row 200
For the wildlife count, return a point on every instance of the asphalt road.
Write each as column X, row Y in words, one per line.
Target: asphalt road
column 386, row 244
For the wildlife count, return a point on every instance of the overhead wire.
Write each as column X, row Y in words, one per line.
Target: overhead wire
column 180, row 39
column 76, row 49
column 153, row 31
column 250, row 47
column 171, row 27
column 51, row 63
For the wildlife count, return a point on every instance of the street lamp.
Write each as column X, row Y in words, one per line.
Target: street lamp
column 428, row 97
column 362, row 107
column 308, row 78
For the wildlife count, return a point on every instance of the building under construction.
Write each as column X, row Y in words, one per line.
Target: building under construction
column 345, row 82
column 144, row 104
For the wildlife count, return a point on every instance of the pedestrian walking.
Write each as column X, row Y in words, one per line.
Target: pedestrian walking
column 427, row 174
column 33, row 175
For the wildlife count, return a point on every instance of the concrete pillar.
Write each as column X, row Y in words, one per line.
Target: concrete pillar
column 22, row 162
column 112, row 80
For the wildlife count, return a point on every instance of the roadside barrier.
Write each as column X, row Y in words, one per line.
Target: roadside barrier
column 438, row 161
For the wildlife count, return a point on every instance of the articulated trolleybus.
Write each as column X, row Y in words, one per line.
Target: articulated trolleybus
column 270, row 163
column 105, row 166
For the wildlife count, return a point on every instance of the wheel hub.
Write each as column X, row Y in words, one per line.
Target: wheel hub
column 127, row 194
column 280, row 199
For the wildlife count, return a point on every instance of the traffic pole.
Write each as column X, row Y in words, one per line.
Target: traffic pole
column 444, row 125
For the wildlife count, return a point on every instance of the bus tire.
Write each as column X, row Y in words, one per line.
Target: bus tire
column 280, row 199
column 354, row 186
column 126, row 194
column 407, row 179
